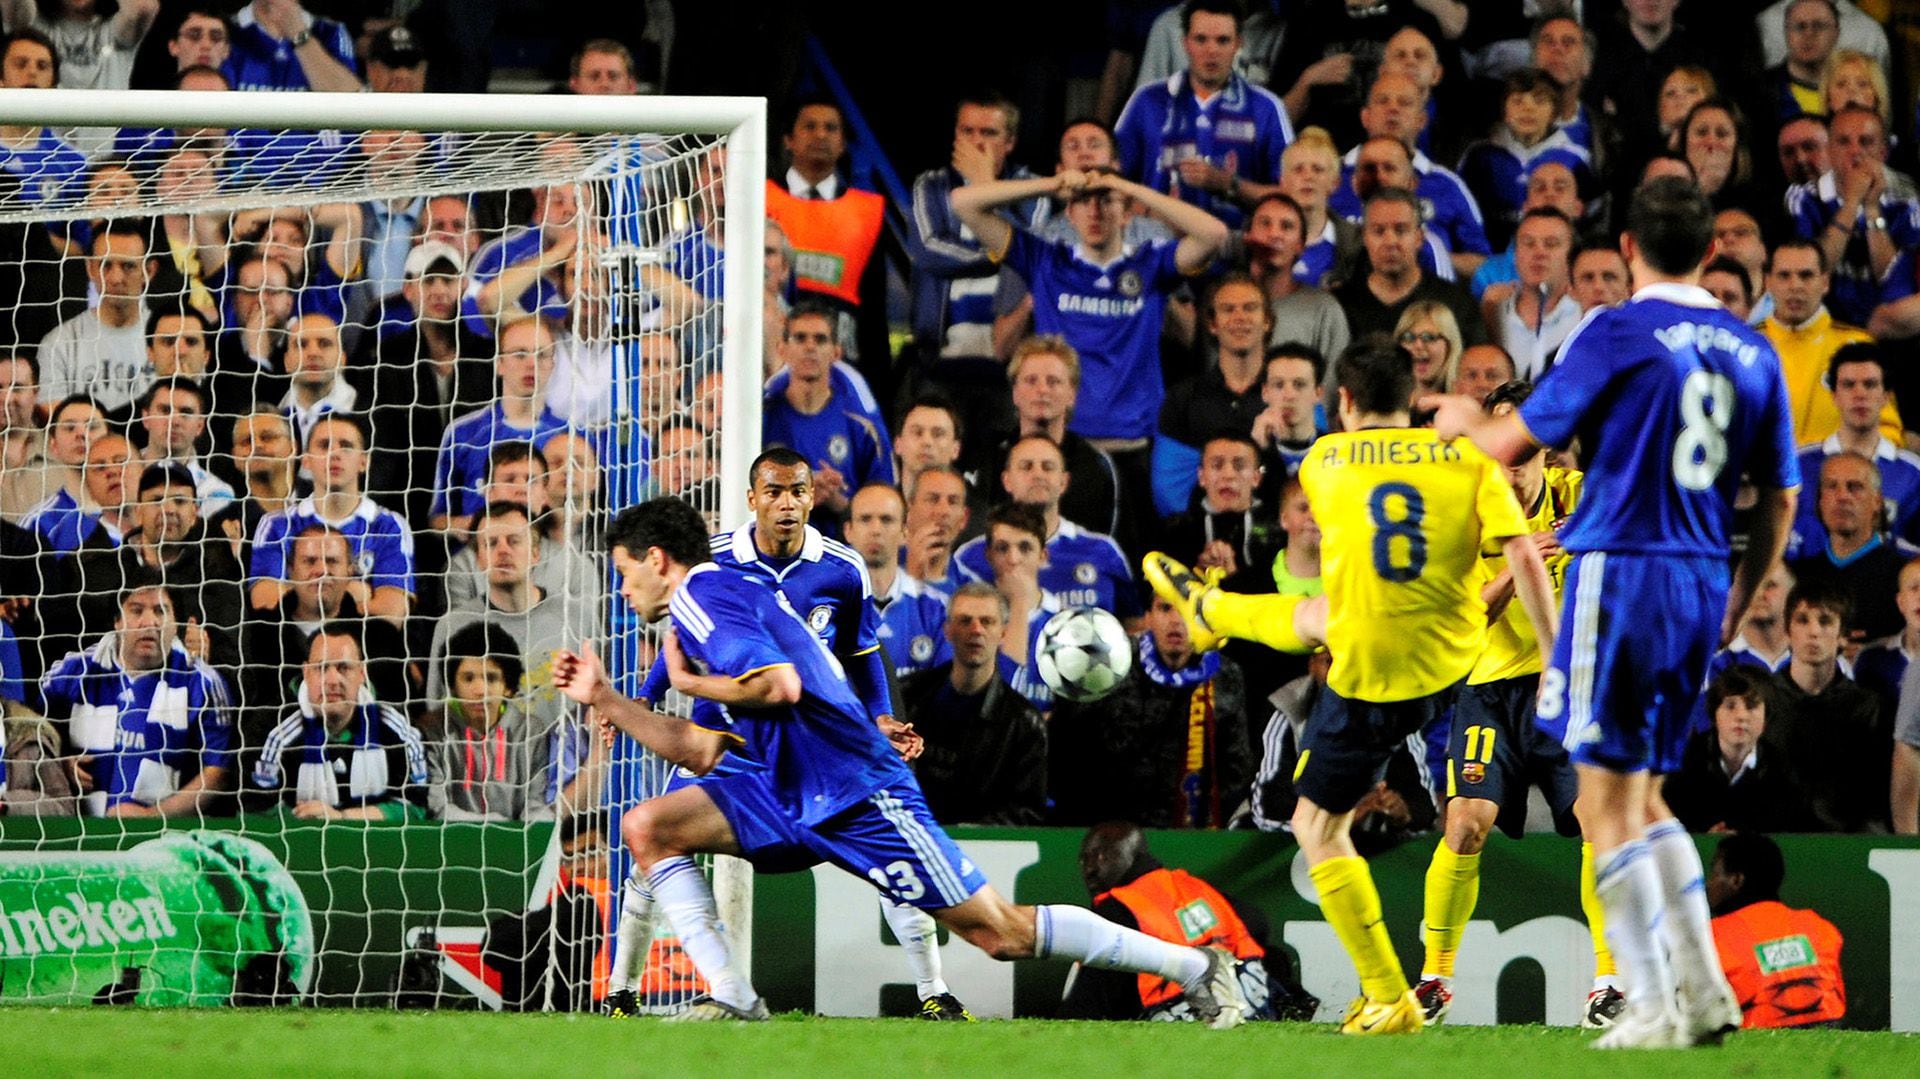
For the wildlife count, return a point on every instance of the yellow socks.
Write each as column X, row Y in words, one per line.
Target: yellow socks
column 1596, row 915
column 1351, row 905
column 1263, row 619
column 1453, row 888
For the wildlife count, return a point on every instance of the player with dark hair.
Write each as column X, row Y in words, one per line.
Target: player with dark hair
column 1674, row 401
column 1404, row 516
column 827, row 580
column 837, row 787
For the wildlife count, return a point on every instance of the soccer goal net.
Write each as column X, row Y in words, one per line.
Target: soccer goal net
column 315, row 409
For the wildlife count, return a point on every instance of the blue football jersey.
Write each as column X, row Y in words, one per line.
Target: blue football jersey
column 464, row 451
column 1111, row 315
column 1899, row 490
column 1084, row 569
column 1445, row 202
column 540, row 298
column 149, row 733
column 64, row 527
column 913, row 625
column 1025, row 678
column 823, row 752
column 826, row 582
column 839, row 436
column 1673, row 399
column 381, row 542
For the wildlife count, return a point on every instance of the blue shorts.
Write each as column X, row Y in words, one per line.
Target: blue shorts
column 1496, row 753
column 767, row 837
column 1636, row 634
column 892, row 840
column 1348, row 743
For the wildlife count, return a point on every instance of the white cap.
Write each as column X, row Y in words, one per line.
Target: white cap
column 431, row 252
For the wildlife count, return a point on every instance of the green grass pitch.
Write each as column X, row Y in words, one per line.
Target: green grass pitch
column 313, row 1043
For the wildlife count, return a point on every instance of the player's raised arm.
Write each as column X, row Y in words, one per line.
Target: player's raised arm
column 974, row 205
column 1202, row 235
column 1504, row 438
column 1535, row 589
column 1766, row 540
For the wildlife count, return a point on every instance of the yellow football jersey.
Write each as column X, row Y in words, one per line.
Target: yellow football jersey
column 1513, row 649
column 1403, row 520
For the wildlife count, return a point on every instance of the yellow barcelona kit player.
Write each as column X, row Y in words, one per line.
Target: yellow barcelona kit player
column 1404, row 519
column 1513, row 649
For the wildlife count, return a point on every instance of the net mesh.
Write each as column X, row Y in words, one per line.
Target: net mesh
column 391, row 381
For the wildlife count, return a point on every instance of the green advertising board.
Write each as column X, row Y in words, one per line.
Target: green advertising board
column 265, row 908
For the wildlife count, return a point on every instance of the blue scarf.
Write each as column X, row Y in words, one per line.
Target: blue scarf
column 1162, row 675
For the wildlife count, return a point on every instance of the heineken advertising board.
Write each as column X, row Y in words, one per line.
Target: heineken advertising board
column 276, row 911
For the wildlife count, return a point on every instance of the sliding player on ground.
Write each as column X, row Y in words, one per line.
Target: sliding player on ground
column 834, row 782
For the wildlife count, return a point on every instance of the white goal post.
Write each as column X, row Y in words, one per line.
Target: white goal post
column 517, row 125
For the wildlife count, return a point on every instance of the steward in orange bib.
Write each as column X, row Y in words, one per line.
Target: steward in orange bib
column 1783, row 964
column 1131, row 887
column 836, row 232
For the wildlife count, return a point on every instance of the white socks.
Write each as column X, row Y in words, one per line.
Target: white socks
column 681, row 892
column 1629, row 890
column 919, row 937
column 1063, row 932
column 1688, row 924
column 634, row 937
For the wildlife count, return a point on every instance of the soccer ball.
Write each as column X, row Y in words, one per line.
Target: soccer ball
column 1083, row 653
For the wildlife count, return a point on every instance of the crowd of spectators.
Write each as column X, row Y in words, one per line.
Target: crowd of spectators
column 297, row 499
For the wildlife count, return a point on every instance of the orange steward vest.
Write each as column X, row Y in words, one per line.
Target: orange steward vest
column 833, row 239
column 1784, row 965
column 1174, row 905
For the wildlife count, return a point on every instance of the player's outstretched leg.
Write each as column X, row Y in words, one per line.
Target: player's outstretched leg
column 919, row 937
column 1055, row 931
column 663, row 833
column 1709, row 1010
column 1453, row 890
column 1282, row 623
column 1605, row 1001
column 1351, row 905
column 632, row 940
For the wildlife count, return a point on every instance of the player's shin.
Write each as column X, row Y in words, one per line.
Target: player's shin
column 919, row 938
column 1352, row 906
column 1604, row 972
column 1629, row 890
column 1687, row 923
column 634, row 936
column 1453, row 889
column 681, row 892
column 1063, row 932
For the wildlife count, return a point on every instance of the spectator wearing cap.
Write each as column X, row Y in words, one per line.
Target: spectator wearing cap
column 429, row 367
column 396, row 64
column 165, row 540
column 278, row 45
